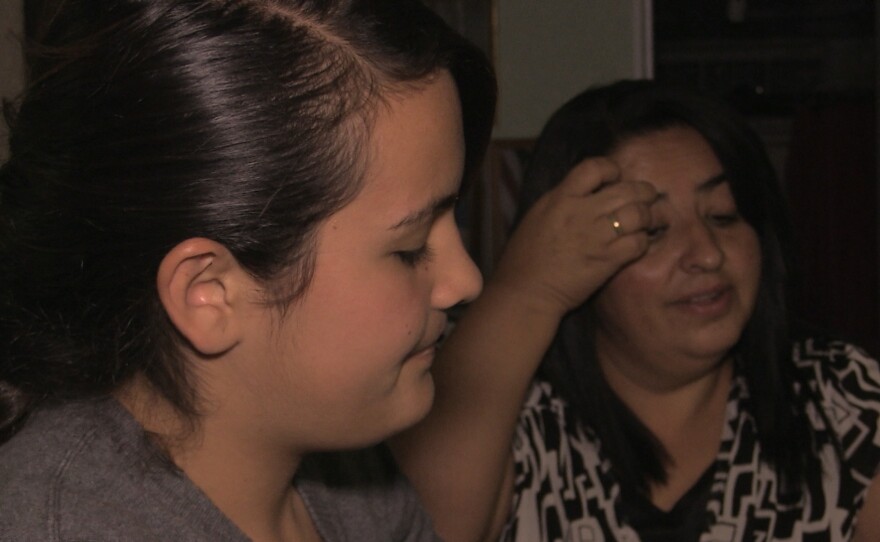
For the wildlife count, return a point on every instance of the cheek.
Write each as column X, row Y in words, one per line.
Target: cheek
column 384, row 309
column 638, row 283
column 627, row 295
column 391, row 294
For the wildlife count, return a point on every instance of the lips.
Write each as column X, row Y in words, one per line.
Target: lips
column 432, row 343
column 704, row 298
column 706, row 302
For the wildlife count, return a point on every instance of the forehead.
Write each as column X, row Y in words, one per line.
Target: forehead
column 672, row 159
column 416, row 153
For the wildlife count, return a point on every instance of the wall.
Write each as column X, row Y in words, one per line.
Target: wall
column 546, row 52
column 11, row 65
column 590, row 42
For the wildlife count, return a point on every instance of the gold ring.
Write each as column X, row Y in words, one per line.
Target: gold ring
column 615, row 224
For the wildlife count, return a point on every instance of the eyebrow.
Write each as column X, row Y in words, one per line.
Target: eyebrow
column 712, row 182
column 705, row 186
column 436, row 206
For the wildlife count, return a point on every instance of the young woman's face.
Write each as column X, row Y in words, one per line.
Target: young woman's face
column 350, row 362
column 672, row 315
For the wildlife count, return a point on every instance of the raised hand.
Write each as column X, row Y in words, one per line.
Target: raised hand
column 576, row 236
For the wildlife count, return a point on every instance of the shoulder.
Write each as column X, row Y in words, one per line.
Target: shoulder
column 84, row 471
column 35, row 466
column 562, row 482
column 833, row 352
column 833, row 367
column 544, row 414
column 543, row 401
column 548, row 433
column 843, row 381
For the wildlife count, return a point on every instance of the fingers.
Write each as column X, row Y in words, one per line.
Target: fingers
column 578, row 234
column 620, row 194
column 615, row 224
column 628, row 248
column 598, row 206
column 599, row 178
column 633, row 217
column 623, row 211
column 590, row 176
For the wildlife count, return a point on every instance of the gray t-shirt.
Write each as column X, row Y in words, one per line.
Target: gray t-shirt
column 87, row 472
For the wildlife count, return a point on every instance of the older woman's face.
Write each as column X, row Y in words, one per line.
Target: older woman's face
column 672, row 316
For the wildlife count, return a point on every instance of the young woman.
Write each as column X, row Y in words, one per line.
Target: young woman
column 226, row 243
column 649, row 275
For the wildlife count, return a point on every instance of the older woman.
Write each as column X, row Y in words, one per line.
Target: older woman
column 646, row 284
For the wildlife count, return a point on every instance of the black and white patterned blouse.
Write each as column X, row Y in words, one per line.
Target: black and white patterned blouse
column 565, row 490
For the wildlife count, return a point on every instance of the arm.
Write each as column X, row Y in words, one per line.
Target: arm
column 868, row 518
column 459, row 457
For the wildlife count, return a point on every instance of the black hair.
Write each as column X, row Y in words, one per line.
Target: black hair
column 148, row 122
column 595, row 123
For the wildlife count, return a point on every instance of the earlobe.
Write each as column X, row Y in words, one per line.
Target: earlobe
column 196, row 280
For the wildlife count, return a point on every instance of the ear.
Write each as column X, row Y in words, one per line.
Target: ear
column 197, row 282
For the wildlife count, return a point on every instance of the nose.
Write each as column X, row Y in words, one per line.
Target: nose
column 457, row 277
column 702, row 251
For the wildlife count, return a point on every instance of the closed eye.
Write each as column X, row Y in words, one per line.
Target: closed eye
column 724, row 219
column 414, row 257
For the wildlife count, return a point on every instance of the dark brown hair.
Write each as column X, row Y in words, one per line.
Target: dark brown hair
column 149, row 122
column 595, row 123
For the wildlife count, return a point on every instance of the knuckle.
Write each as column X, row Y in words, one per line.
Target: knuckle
column 638, row 245
column 634, row 245
column 626, row 191
column 647, row 190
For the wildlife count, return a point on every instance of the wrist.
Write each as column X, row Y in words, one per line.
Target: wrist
column 531, row 300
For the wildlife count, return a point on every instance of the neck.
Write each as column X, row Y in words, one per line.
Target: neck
column 687, row 419
column 241, row 471
column 662, row 408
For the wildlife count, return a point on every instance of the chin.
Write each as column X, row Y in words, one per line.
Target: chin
column 419, row 401
column 408, row 408
column 720, row 340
